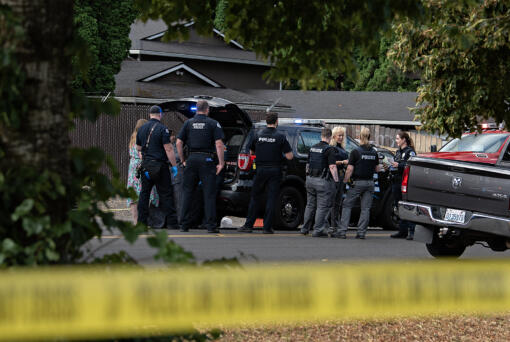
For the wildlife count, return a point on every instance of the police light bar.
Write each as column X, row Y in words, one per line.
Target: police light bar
column 311, row 122
column 489, row 125
column 193, row 108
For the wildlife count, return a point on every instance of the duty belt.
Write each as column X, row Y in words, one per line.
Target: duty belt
column 211, row 154
column 317, row 173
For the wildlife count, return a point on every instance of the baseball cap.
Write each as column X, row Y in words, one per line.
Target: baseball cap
column 155, row 110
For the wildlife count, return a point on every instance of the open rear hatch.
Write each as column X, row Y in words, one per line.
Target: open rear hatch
column 236, row 124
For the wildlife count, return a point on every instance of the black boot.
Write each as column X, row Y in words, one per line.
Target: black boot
column 399, row 235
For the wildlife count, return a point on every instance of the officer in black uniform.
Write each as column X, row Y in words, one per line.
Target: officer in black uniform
column 321, row 182
column 363, row 163
column 203, row 136
column 270, row 146
column 404, row 152
column 153, row 141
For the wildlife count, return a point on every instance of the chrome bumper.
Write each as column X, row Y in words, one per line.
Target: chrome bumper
column 422, row 214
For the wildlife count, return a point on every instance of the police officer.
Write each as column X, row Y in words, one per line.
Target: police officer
column 404, row 152
column 321, row 182
column 203, row 136
column 363, row 162
column 270, row 146
column 342, row 159
column 153, row 141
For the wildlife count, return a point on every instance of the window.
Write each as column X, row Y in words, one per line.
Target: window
column 306, row 140
column 506, row 156
column 482, row 143
column 350, row 144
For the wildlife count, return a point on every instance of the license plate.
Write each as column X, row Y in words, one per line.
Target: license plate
column 454, row 215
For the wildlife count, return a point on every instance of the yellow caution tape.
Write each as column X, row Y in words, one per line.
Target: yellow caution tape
column 94, row 303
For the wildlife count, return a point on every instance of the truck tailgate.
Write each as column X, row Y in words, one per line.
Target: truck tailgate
column 461, row 185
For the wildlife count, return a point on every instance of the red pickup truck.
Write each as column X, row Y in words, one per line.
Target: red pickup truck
column 460, row 195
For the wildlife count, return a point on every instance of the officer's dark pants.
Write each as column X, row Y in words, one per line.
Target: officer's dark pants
column 363, row 189
column 268, row 178
column 166, row 198
column 318, row 204
column 335, row 213
column 199, row 167
column 404, row 227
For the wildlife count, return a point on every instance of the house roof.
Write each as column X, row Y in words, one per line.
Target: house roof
column 129, row 83
column 145, row 41
column 138, row 82
column 344, row 106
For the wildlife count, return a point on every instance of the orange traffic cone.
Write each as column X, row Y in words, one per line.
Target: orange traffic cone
column 259, row 223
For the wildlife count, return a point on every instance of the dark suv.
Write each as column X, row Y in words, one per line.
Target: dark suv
column 240, row 166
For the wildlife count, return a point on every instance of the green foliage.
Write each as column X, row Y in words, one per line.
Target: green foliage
column 379, row 73
column 169, row 251
column 103, row 26
column 462, row 51
column 48, row 215
column 12, row 79
column 219, row 15
column 304, row 39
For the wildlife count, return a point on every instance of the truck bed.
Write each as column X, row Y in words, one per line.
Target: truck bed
column 459, row 185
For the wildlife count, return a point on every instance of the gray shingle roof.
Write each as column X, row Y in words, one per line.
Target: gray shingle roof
column 326, row 105
column 186, row 49
column 127, row 84
column 352, row 105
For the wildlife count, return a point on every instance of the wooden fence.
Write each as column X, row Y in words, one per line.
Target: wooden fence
column 385, row 136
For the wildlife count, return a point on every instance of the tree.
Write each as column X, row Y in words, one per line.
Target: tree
column 303, row 39
column 379, row 73
column 219, row 15
column 103, row 26
column 50, row 194
column 462, row 51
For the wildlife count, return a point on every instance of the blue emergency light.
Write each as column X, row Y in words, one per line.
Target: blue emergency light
column 193, row 108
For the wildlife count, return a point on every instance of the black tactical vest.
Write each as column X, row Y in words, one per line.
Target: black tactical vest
column 365, row 166
column 317, row 160
column 269, row 148
column 200, row 135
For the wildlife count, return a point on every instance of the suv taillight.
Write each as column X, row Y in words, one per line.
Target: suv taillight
column 405, row 180
column 245, row 161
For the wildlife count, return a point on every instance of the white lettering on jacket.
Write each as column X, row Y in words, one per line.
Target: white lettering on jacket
column 316, row 150
column 265, row 139
column 199, row 125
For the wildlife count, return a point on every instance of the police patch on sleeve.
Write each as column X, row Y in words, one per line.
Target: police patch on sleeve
column 218, row 124
column 412, row 154
column 166, row 130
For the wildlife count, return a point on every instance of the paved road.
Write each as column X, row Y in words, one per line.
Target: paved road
column 286, row 246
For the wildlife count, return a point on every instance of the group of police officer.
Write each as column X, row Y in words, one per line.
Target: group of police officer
column 203, row 137
column 325, row 181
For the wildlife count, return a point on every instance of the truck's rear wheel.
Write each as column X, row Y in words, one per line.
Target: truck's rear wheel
column 443, row 248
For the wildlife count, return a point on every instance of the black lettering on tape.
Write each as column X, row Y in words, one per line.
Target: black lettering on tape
column 52, row 303
column 341, row 297
column 491, row 286
column 254, row 295
column 7, row 299
column 294, row 293
column 203, row 295
column 380, row 290
column 159, row 299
